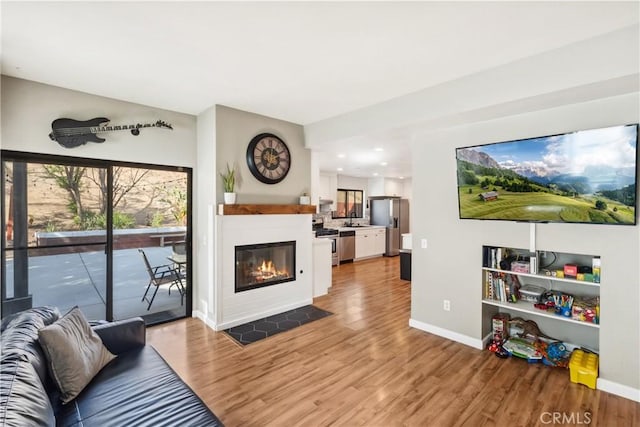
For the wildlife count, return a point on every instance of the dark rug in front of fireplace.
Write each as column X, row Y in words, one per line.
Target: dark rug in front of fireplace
column 272, row 325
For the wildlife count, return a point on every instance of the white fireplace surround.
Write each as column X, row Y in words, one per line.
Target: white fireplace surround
column 233, row 309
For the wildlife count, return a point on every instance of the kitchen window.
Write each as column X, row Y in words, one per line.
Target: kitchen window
column 349, row 203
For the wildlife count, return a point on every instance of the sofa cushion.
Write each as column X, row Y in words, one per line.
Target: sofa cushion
column 20, row 337
column 23, row 370
column 74, row 351
column 23, row 399
column 137, row 388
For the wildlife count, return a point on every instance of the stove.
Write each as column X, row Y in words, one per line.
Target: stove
column 322, row 232
column 333, row 234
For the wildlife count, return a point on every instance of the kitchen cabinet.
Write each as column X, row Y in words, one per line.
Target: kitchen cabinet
column 328, row 190
column 379, row 241
column 321, row 266
column 370, row 242
column 386, row 187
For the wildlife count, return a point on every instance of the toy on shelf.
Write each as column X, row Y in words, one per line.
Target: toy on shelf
column 563, row 304
column 500, row 323
column 554, row 354
column 497, row 348
column 583, row 368
column 529, row 329
column 586, row 309
column 522, row 348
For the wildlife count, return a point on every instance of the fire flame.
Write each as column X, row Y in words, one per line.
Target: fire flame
column 267, row 270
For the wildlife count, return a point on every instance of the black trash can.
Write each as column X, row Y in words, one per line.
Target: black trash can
column 405, row 264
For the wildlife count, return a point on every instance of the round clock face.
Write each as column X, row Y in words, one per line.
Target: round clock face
column 268, row 158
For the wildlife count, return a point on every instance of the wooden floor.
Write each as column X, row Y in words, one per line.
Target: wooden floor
column 365, row 366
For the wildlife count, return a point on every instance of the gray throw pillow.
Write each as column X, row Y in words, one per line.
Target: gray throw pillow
column 74, row 351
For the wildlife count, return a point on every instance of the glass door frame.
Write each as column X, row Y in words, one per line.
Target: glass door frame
column 27, row 157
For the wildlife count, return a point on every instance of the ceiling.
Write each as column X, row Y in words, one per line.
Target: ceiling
column 299, row 61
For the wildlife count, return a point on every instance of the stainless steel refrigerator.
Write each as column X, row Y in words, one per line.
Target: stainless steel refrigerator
column 393, row 213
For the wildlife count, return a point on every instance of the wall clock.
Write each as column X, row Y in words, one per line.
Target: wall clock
column 268, row 158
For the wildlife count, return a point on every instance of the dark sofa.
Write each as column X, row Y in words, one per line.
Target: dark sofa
column 137, row 388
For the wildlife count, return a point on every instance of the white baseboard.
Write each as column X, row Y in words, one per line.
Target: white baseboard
column 231, row 323
column 200, row 315
column 602, row 384
column 445, row 333
column 618, row 389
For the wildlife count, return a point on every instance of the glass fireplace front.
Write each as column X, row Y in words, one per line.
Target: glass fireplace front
column 265, row 264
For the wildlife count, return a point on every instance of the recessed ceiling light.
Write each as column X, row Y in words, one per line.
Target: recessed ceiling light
column 378, row 149
column 341, row 156
column 383, row 164
column 401, row 177
column 375, row 174
column 339, row 169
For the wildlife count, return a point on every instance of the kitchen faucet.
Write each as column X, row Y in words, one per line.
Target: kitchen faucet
column 351, row 216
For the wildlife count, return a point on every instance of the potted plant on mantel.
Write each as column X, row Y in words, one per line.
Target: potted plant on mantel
column 229, row 181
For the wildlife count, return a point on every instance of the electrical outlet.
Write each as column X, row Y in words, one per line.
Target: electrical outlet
column 446, row 305
column 423, row 243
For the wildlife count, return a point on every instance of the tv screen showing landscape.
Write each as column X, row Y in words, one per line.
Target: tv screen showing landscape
column 587, row 176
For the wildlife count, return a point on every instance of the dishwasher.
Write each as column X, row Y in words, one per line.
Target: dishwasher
column 347, row 246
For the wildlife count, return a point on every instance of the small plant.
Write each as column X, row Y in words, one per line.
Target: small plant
column 229, row 179
column 98, row 221
column 157, row 219
column 176, row 197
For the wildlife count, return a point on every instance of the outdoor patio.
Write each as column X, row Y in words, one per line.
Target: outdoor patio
column 67, row 280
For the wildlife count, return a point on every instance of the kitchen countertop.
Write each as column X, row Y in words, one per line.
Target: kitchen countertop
column 364, row 227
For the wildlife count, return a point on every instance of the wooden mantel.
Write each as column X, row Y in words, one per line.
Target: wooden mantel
column 265, row 209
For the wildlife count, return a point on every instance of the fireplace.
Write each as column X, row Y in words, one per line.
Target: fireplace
column 264, row 264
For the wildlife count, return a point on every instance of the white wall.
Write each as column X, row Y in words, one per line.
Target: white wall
column 203, row 210
column 28, row 108
column 234, row 131
column 353, row 183
column 450, row 267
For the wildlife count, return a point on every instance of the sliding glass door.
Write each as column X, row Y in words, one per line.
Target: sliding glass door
column 77, row 232
column 149, row 243
column 54, row 238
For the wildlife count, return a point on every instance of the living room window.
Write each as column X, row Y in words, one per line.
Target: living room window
column 349, row 203
column 73, row 229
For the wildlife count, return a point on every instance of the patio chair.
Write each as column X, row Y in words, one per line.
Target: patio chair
column 179, row 257
column 161, row 275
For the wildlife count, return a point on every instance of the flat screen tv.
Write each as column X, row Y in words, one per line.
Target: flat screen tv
column 587, row 177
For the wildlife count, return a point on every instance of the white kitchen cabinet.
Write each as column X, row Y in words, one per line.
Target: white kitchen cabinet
column 379, row 241
column 363, row 247
column 329, row 189
column 321, row 266
column 393, row 187
column 370, row 242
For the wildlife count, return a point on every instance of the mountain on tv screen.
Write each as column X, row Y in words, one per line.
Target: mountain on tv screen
column 588, row 176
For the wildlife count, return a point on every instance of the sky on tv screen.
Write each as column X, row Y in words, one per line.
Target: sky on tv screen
column 573, row 153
